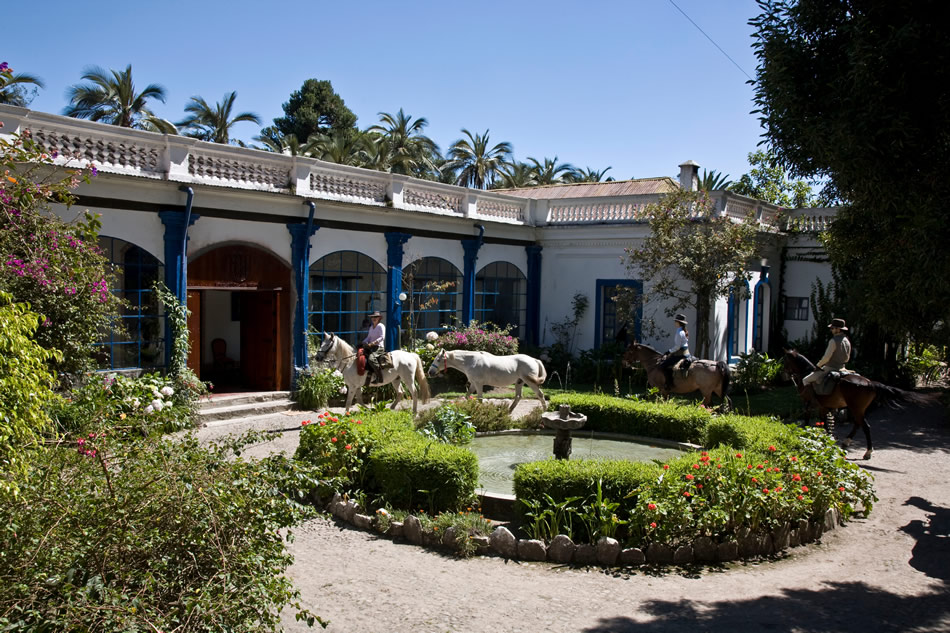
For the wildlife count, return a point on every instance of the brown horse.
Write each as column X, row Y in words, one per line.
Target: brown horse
column 709, row 377
column 852, row 391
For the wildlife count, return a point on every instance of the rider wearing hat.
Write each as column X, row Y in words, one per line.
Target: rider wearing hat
column 373, row 345
column 678, row 352
column 836, row 355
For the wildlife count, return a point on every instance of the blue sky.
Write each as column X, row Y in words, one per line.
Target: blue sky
column 627, row 84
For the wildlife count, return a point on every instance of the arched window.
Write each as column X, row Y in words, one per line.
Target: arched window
column 344, row 287
column 760, row 317
column 137, row 337
column 500, row 296
column 434, row 297
column 738, row 320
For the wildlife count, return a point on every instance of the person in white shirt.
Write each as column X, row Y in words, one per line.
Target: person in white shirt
column 373, row 345
column 836, row 355
column 679, row 350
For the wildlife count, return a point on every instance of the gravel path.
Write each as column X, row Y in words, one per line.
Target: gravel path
column 889, row 572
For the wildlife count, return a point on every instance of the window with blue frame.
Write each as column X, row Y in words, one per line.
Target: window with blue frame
column 763, row 293
column 136, row 339
column 434, row 289
column 612, row 325
column 345, row 286
column 738, row 320
column 501, row 296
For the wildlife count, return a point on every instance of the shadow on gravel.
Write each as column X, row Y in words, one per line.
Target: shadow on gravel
column 931, row 552
column 841, row 607
column 917, row 429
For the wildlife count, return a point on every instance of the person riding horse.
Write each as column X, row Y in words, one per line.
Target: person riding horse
column 836, row 355
column 373, row 346
column 678, row 352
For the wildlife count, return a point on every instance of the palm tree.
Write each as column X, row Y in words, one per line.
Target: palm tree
column 12, row 87
column 410, row 151
column 343, row 147
column 550, row 172
column 113, row 100
column 589, row 175
column 714, row 181
column 214, row 123
column 477, row 165
column 288, row 145
column 516, row 175
column 374, row 151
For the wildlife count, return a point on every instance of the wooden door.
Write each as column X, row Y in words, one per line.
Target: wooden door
column 194, row 331
column 259, row 319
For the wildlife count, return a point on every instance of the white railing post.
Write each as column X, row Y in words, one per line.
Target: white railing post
column 397, row 184
column 470, row 206
column 177, row 152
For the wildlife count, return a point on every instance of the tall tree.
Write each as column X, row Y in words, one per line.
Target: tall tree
column 288, row 145
column 589, row 175
column 314, row 109
column 214, row 123
column 110, row 97
column 516, row 175
column 714, row 181
column 551, row 172
column 858, row 93
column 475, row 164
column 691, row 258
column 768, row 181
column 411, row 152
column 340, row 146
column 13, row 87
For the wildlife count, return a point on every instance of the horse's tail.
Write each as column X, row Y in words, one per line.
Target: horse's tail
column 896, row 398
column 542, row 373
column 423, row 383
column 726, row 373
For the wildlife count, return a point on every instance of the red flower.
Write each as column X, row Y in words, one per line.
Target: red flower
column 754, row 480
column 333, row 439
column 841, row 488
column 760, row 466
column 778, row 489
column 704, row 459
column 359, row 421
column 765, row 490
column 322, row 423
column 801, row 498
column 652, row 525
column 796, row 477
column 690, row 477
column 738, row 454
column 804, row 488
column 348, row 446
column 686, row 494
column 749, row 467
column 700, row 486
column 772, row 448
column 695, row 466
column 818, row 473
column 793, row 458
column 718, row 465
column 666, row 466
column 305, row 423
column 651, row 506
column 705, row 453
column 342, row 432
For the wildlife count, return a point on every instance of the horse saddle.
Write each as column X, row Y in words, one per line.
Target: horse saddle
column 827, row 386
column 383, row 360
column 681, row 368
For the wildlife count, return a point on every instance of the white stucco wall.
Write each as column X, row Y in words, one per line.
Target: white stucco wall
column 209, row 233
column 799, row 278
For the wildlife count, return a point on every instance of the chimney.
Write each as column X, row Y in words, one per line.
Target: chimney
column 689, row 176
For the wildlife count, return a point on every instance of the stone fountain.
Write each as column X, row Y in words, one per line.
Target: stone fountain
column 563, row 421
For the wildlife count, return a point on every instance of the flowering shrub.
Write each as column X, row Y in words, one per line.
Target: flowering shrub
column 479, row 337
column 316, row 386
column 55, row 266
column 124, row 405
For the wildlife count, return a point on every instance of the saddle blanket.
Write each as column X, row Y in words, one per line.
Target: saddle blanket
column 383, row 360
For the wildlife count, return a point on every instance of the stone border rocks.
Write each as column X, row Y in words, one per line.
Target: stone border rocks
column 607, row 552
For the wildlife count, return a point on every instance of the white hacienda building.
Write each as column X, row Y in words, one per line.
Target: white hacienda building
column 265, row 246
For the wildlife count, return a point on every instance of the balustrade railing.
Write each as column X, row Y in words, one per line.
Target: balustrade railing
column 561, row 213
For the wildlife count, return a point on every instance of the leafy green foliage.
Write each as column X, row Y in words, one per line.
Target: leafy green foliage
column 747, row 433
column 26, row 391
column 426, row 474
column 13, row 90
column 691, row 258
column 448, row 424
column 768, row 181
column 857, row 93
column 314, row 109
column 316, row 386
column 111, row 98
column 474, row 164
column 755, row 370
column 667, row 420
column 53, row 265
column 214, row 123
column 156, row 534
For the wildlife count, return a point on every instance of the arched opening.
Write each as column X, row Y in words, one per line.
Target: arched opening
column 501, row 296
column 434, row 297
column 344, row 287
column 240, row 322
column 738, row 330
column 761, row 315
column 137, row 337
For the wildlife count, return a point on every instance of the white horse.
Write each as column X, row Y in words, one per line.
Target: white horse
column 406, row 367
column 482, row 368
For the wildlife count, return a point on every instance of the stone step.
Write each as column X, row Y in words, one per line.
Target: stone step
column 244, row 410
column 232, row 399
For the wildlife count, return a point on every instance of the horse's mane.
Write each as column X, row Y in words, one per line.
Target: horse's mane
column 655, row 351
column 802, row 360
column 347, row 348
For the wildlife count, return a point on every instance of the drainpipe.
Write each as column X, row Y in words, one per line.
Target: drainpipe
column 313, row 209
column 183, row 288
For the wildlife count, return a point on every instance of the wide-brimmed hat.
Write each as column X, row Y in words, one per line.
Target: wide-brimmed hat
column 681, row 318
column 838, row 323
column 374, row 314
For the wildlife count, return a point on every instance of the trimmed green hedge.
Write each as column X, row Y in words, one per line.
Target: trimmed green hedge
column 380, row 454
column 741, row 432
column 667, row 420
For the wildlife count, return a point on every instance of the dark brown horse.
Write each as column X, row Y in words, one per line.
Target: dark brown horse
column 852, row 391
column 709, row 377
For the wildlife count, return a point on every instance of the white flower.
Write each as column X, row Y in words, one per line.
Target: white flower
column 149, row 409
column 157, row 404
column 337, row 373
column 168, row 391
column 430, row 346
column 136, row 402
column 431, row 336
column 343, row 389
column 156, row 393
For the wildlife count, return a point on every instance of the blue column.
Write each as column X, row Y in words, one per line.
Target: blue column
column 471, row 247
column 394, row 253
column 300, row 263
column 176, row 261
column 533, row 308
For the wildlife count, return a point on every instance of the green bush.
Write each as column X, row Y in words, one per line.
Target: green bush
column 484, row 416
column 748, row 433
column 147, row 535
column 420, row 473
column 449, row 424
column 316, row 386
column 667, row 420
column 755, row 370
